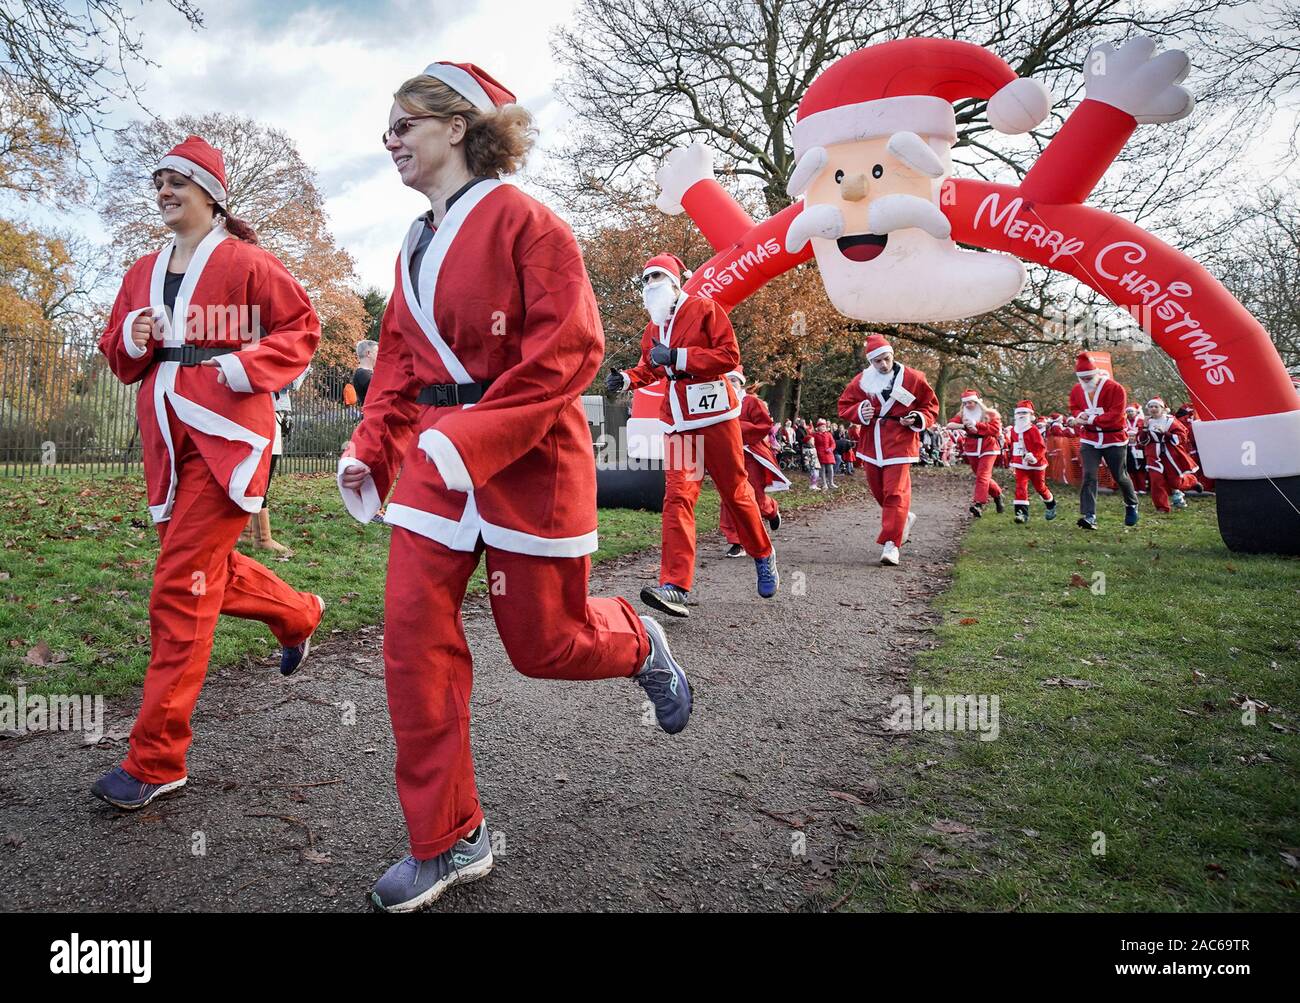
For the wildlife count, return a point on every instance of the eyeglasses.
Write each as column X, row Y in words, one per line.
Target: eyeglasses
column 403, row 125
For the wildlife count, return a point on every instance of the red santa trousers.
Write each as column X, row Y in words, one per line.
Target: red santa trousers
column 198, row 555
column 1036, row 478
column 985, row 485
column 891, row 486
column 718, row 446
column 550, row 630
column 1166, row 482
column 767, row 506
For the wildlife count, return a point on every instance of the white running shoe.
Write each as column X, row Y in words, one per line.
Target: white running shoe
column 889, row 556
column 907, row 527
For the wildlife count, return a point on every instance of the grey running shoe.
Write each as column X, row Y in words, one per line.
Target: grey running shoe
column 664, row 681
column 410, row 884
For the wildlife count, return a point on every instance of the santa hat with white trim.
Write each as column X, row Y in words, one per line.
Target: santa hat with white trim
column 1159, row 401
column 1088, row 364
column 970, row 395
column 201, row 162
column 475, row 85
column 908, row 86
column 668, row 264
column 877, row 345
column 1024, row 407
column 737, row 374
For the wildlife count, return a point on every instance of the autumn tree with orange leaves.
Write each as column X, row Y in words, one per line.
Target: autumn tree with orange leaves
column 271, row 188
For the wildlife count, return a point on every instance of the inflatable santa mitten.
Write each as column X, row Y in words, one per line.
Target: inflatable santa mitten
column 873, row 142
column 1133, row 80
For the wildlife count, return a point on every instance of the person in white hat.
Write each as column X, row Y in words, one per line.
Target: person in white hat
column 981, row 446
column 1029, row 461
column 1097, row 404
column 1170, row 465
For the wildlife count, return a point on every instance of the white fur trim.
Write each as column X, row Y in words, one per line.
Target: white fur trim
column 915, row 152
column 205, row 180
column 808, row 167
column 197, row 417
column 1019, row 106
column 128, row 345
column 363, row 503
column 627, row 380
column 462, row 83
column 920, row 113
column 236, row 376
column 1271, row 440
column 463, row 535
column 679, row 359
column 446, row 457
column 876, row 352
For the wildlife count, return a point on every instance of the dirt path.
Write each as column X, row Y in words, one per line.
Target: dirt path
column 291, row 803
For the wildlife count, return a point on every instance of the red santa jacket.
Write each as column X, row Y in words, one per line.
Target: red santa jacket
column 755, row 426
column 1028, row 451
column 1103, row 406
column 704, row 351
column 883, row 439
column 504, row 298
column 1163, row 444
column 824, row 443
column 986, row 439
column 233, row 294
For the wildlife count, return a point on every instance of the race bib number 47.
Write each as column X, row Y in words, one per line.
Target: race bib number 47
column 706, row 398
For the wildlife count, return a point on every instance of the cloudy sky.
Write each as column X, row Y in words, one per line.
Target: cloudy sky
column 324, row 72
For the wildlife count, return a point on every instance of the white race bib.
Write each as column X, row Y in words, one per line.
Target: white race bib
column 1018, row 449
column 903, row 395
column 707, row 398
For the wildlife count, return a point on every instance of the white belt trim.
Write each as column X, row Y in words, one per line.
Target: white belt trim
column 464, row 535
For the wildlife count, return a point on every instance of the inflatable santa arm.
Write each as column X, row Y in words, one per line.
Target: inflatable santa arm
column 1125, row 88
column 385, row 432
column 560, row 350
column 128, row 363
column 281, row 354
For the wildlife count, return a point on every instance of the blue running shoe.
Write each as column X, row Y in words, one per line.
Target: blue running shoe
column 1051, row 510
column 666, row 598
column 1178, row 500
column 664, row 681
column 292, row 658
column 124, row 791
column 410, row 884
column 769, row 579
column 1130, row 515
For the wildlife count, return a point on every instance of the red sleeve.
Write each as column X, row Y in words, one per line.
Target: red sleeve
column 755, row 420
column 288, row 341
column 1078, row 403
column 125, row 366
column 721, row 353
column 849, row 401
column 926, row 403
column 390, row 411
column 643, row 373
column 561, row 347
column 1112, row 418
column 991, row 425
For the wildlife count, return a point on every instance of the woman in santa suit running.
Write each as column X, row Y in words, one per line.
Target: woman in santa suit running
column 490, row 337
column 981, row 448
column 209, row 326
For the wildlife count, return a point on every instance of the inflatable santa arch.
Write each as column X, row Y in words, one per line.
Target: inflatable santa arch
column 882, row 215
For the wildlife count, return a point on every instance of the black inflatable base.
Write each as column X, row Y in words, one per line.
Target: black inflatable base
column 643, row 489
column 1260, row 517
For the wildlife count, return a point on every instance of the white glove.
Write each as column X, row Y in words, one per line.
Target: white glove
column 681, row 169
column 1131, row 79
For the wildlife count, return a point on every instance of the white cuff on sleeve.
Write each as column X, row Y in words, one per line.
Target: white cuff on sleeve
column 444, row 455
column 627, row 380
column 236, row 376
column 127, row 344
column 679, row 360
column 861, row 417
column 361, row 504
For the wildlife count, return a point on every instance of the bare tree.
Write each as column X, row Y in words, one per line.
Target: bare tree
column 78, row 59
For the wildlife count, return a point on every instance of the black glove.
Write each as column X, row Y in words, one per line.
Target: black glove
column 614, row 381
column 661, row 355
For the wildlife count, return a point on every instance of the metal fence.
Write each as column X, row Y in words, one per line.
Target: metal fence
column 63, row 411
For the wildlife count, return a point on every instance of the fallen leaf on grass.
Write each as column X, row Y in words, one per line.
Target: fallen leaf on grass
column 1078, row 582
column 966, row 621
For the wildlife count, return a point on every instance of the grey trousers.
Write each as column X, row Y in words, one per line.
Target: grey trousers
column 1115, row 457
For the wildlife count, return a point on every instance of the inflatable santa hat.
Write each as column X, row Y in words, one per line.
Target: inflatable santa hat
column 201, row 162
column 475, row 85
column 907, row 87
column 877, row 345
column 667, row 264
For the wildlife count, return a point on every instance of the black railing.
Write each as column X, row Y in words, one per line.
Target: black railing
column 62, row 411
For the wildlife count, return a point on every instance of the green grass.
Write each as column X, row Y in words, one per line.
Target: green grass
column 1197, row 808
column 76, row 567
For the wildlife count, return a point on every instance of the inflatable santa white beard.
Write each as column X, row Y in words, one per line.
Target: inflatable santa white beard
column 900, row 273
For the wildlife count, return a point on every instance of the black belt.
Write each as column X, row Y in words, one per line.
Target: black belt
column 189, row 355
column 452, row 394
column 680, row 376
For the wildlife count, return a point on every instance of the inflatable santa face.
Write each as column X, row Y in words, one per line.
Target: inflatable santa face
column 873, row 146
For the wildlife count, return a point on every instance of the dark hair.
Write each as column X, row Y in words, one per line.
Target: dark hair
column 235, row 226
